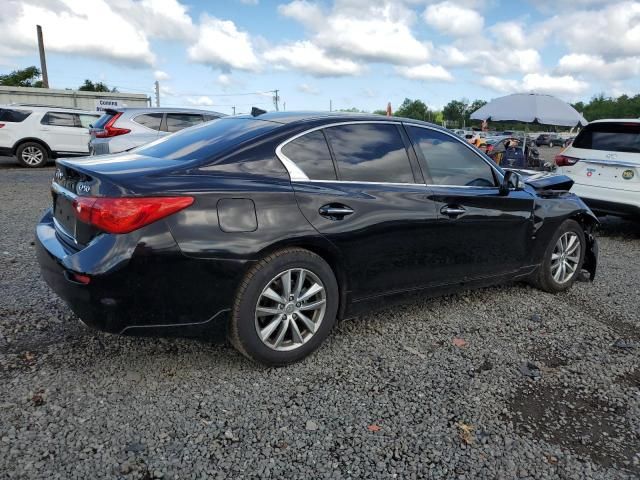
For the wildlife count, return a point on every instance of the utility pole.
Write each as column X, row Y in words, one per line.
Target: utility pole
column 157, row 93
column 43, row 59
column 234, row 109
column 276, row 99
column 330, row 105
column 284, row 106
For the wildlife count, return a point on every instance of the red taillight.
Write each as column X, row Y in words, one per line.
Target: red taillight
column 109, row 130
column 124, row 215
column 1, row 125
column 83, row 279
column 564, row 161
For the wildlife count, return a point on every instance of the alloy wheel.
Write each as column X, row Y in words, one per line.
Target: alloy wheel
column 290, row 309
column 32, row 156
column 565, row 257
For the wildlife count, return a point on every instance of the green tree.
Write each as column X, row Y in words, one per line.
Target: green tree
column 415, row 109
column 380, row 112
column 456, row 111
column 27, row 77
column 89, row 86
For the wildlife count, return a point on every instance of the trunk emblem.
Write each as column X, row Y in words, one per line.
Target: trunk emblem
column 627, row 174
column 59, row 175
column 83, row 188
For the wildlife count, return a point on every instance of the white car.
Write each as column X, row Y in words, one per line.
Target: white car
column 35, row 134
column 604, row 163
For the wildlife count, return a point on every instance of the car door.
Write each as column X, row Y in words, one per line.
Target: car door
column 60, row 131
column 359, row 186
column 83, row 123
column 480, row 232
column 152, row 123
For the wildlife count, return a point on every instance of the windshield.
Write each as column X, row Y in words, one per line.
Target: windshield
column 610, row 136
column 207, row 140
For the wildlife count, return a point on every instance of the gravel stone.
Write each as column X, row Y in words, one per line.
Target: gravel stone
column 197, row 409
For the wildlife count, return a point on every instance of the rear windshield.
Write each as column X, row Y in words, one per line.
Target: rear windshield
column 102, row 121
column 207, row 140
column 610, row 136
column 12, row 115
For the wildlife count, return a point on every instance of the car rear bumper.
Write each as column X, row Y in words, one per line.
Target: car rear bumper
column 610, row 201
column 162, row 294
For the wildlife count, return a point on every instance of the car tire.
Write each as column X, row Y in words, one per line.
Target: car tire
column 261, row 298
column 550, row 275
column 32, row 155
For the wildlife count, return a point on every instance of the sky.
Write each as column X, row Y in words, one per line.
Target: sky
column 351, row 53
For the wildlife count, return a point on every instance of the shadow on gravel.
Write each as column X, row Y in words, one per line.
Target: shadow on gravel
column 618, row 227
column 578, row 421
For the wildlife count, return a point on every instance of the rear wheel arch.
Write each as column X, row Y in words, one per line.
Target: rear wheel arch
column 328, row 253
column 22, row 141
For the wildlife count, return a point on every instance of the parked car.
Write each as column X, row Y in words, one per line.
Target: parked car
column 550, row 140
column 35, row 134
column 604, row 163
column 278, row 224
column 499, row 152
column 122, row 129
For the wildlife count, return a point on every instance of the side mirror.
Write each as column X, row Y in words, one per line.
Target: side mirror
column 511, row 181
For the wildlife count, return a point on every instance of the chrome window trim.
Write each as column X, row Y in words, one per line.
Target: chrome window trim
column 296, row 172
column 455, row 137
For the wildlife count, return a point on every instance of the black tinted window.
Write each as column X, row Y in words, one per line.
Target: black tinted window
column 149, row 120
column 59, row 119
column 370, row 153
column 179, row 121
column 11, row 115
column 311, row 154
column 103, row 120
column 614, row 137
column 208, row 140
column 208, row 118
column 449, row 161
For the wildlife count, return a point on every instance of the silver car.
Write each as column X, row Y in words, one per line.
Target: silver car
column 122, row 129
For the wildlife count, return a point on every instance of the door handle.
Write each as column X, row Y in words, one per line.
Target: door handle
column 335, row 212
column 452, row 211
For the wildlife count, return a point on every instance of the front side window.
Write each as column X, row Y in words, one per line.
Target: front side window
column 311, row 154
column 180, row 121
column 59, row 119
column 449, row 161
column 370, row 152
column 149, row 120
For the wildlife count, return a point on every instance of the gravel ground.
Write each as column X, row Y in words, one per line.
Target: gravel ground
column 434, row 389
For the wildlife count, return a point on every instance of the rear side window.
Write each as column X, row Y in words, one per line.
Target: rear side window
column 59, row 119
column 449, row 161
column 370, row 153
column 311, row 154
column 180, row 121
column 87, row 120
column 610, row 136
column 11, row 115
column 149, row 120
column 208, row 140
column 103, row 120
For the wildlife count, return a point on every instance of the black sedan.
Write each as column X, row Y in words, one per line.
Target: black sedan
column 279, row 224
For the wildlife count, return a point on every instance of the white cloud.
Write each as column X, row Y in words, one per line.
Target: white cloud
column 70, row 27
column 612, row 31
column 164, row 19
column 220, row 44
column 369, row 31
column 201, row 101
column 511, row 34
column 307, row 57
column 224, row 80
column 565, row 85
column 452, row 19
column 309, row 89
column 160, row 75
column 596, row 66
column 427, row 72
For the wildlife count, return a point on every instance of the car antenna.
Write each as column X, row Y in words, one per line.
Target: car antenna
column 255, row 111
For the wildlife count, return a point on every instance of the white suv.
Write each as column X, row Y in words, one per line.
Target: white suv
column 604, row 163
column 35, row 134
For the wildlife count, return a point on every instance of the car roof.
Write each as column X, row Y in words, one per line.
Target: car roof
column 45, row 108
column 310, row 116
column 163, row 110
